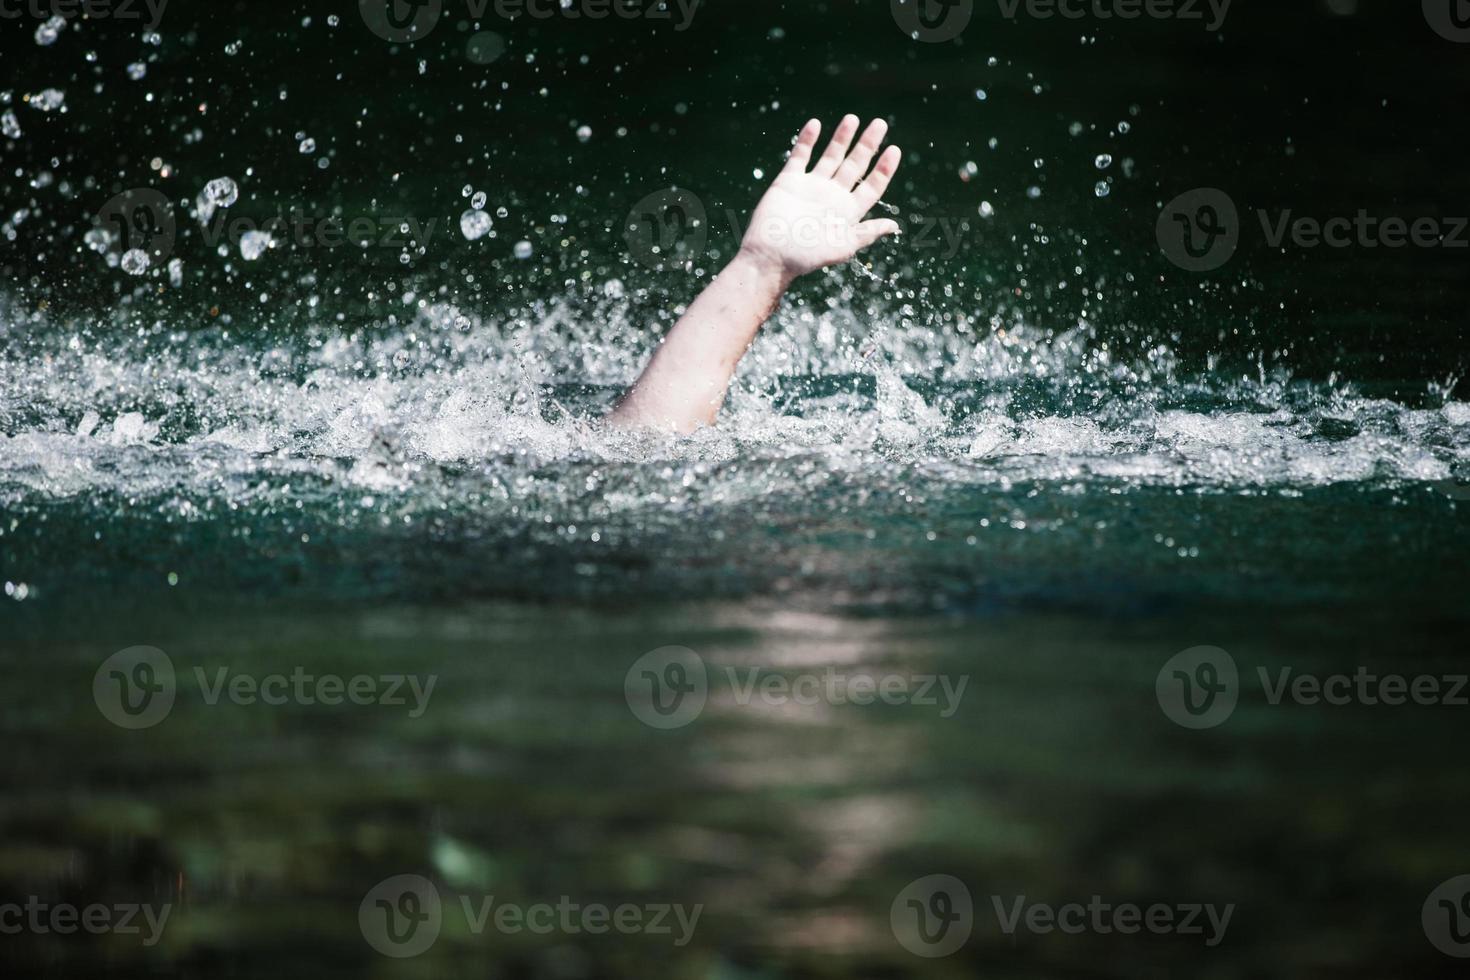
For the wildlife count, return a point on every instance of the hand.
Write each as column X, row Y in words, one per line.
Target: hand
column 808, row 221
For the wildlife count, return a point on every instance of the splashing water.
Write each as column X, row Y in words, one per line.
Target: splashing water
column 489, row 429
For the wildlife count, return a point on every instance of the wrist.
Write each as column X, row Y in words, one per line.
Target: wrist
column 759, row 268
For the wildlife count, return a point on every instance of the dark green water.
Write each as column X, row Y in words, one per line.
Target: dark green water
column 1024, row 451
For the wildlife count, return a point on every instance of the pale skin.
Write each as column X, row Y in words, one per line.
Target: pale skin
column 813, row 216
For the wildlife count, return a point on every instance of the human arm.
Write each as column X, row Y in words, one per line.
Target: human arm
column 807, row 220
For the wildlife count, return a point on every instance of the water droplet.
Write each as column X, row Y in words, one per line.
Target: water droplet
column 1104, row 161
column 474, row 224
column 47, row 100
column 99, row 240
column 135, row 262
column 218, row 193
column 221, row 192
column 1103, row 188
column 48, row 32
column 523, row 250
column 253, row 245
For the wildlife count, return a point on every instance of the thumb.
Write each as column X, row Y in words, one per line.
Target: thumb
column 870, row 231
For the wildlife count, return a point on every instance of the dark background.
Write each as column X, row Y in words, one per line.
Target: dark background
column 1289, row 106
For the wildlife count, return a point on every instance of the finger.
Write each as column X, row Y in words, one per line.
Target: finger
column 870, row 191
column 857, row 162
column 870, row 231
column 837, row 149
column 801, row 153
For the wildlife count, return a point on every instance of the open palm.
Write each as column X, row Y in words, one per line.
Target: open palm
column 808, row 220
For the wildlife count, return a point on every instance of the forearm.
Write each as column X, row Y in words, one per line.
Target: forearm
column 807, row 220
column 685, row 383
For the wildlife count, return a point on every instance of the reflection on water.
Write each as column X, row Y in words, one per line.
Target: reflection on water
column 793, row 817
